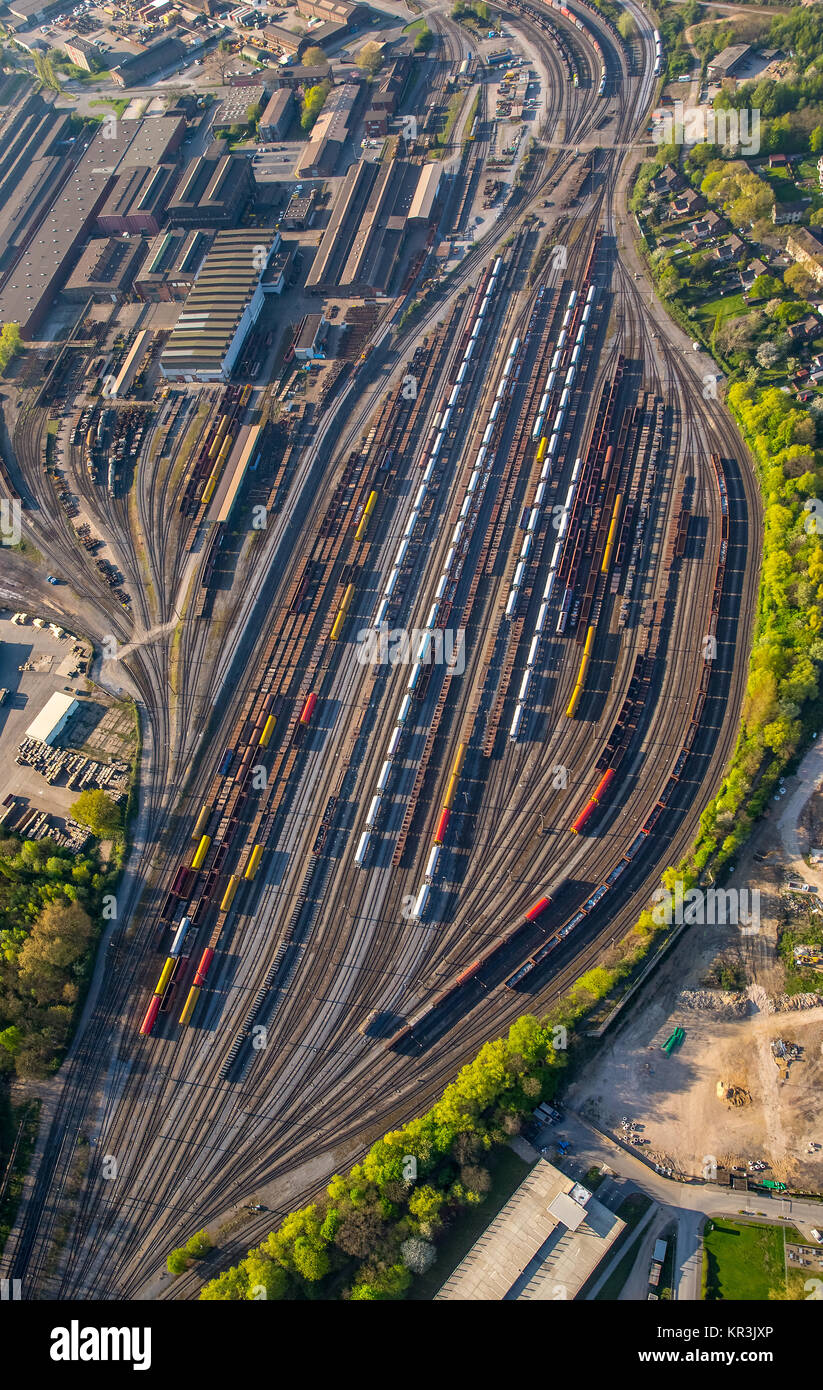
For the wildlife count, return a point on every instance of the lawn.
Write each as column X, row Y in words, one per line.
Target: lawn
column 507, row 1171
column 730, row 306
column 742, row 1261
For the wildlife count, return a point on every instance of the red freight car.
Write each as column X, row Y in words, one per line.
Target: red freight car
column 151, row 1015
column 583, row 817
column 603, row 785
column 308, row 708
column 540, row 906
column 442, row 825
column 203, row 968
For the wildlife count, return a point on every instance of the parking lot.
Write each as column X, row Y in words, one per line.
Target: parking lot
column 50, row 660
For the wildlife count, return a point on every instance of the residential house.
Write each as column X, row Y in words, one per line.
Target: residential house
column 805, row 330
column 688, row 203
column 750, row 274
column 806, row 249
column 790, row 211
column 669, row 180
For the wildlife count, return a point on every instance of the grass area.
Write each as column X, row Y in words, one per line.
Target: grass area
column 120, row 104
column 631, row 1210
column 729, row 307
column 455, row 106
column 416, row 27
column 593, row 1179
column 742, row 1261
column 507, row 1171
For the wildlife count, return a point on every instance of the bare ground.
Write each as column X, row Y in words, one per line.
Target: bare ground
column 674, row 1099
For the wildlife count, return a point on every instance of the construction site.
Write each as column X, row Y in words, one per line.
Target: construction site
column 739, row 1093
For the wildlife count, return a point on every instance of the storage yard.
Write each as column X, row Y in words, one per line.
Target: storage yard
column 403, row 532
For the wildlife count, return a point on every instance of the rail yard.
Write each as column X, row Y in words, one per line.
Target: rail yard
column 435, row 673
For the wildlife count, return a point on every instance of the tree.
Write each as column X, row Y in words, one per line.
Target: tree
column 370, row 58
column 766, row 286
column 626, row 25
column 97, row 810
column 797, row 278
column 313, row 102
column 58, row 940
column 418, row 1255
column 253, row 113
column 423, row 39
column 314, row 57
column 669, row 282
column 199, row 1244
column 767, row 354
column 10, row 343
column 816, row 139
column 177, row 1262
column 11, row 1039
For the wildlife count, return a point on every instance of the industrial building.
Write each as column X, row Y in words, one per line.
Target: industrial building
column 222, row 306
column 162, row 56
column 285, row 40
column 308, row 345
column 171, row 265
column 300, row 211
column 133, row 363
column 729, row 62
column 212, row 192
column 53, row 718
column 138, row 200
column 234, row 107
column 106, row 270
column 42, row 235
column 427, row 195
column 360, row 247
column 329, row 133
column 277, row 116
column 543, row 1245
column 335, row 11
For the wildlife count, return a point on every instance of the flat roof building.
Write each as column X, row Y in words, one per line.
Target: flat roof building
column 165, row 54
column 544, row 1244
column 138, row 200
column 223, row 304
column 212, row 192
column 235, row 104
column 106, row 270
column 171, row 265
column 277, row 116
column 53, row 718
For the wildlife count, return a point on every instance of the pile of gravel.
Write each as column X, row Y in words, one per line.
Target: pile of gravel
column 722, row 1003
